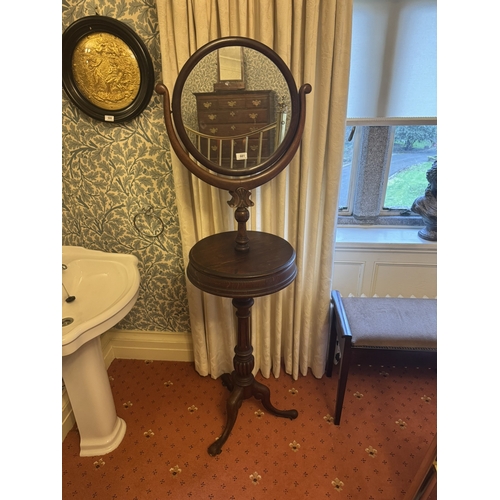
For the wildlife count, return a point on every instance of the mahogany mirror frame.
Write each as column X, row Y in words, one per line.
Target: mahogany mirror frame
column 206, row 170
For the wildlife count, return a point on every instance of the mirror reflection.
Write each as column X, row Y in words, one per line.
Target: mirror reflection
column 236, row 129
column 230, row 64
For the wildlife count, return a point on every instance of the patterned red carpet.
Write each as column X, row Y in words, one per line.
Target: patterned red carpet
column 173, row 415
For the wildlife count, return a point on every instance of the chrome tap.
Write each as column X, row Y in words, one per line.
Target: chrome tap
column 69, row 298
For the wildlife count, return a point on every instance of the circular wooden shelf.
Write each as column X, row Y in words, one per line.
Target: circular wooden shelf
column 216, row 267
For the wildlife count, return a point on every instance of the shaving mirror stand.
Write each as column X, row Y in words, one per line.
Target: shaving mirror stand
column 240, row 265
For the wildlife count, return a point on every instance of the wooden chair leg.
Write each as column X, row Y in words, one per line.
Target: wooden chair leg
column 331, row 346
column 345, row 360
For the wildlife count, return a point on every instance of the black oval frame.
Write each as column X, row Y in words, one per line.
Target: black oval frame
column 179, row 86
column 102, row 24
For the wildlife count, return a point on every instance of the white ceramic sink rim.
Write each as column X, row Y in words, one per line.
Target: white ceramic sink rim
column 106, row 287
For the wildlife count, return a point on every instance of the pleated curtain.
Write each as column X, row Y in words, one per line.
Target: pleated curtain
column 313, row 37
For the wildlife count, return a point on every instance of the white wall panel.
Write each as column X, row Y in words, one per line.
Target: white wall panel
column 406, row 279
column 384, row 261
column 348, row 277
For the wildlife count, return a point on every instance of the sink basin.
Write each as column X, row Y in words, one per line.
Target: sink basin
column 105, row 287
column 99, row 289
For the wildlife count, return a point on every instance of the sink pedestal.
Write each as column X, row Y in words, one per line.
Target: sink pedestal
column 89, row 391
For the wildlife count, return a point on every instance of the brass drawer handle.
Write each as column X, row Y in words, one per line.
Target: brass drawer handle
column 233, row 127
column 213, row 130
column 254, row 148
column 214, row 148
column 212, row 117
column 232, row 104
column 232, row 113
column 207, row 104
column 256, row 103
column 253, row 115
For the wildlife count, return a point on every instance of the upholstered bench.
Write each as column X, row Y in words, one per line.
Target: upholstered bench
column 377, row 323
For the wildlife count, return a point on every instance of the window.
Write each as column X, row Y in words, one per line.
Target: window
column 391, row 137
column 414, row 150
column 384, row 171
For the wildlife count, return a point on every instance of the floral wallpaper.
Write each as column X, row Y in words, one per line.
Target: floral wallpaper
column 117, row 183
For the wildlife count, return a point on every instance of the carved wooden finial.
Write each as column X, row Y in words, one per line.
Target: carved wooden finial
column 240, row 198
column 241, row 201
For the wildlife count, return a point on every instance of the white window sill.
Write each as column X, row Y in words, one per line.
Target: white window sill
column 382, row 236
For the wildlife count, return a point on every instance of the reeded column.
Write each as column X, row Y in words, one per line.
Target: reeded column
column 243, row 361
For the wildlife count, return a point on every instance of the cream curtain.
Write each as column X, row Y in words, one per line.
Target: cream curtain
column 313, row 38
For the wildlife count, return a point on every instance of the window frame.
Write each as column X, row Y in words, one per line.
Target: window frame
column 371, row 158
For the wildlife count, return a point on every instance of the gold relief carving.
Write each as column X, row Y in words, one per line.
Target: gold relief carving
column 233, row 127
column 256, row 103
column 212, row 117
column 253, row 115
column 213, row 130
column 231, row 103
column 106, row 71
column 207, row 104
column 232, row 113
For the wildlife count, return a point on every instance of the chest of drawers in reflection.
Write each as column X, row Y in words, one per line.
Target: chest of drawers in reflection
column 236, row 128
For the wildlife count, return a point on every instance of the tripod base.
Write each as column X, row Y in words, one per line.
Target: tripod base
column 238, row 394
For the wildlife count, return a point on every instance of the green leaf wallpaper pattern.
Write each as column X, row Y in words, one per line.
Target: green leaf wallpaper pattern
column 118, row 190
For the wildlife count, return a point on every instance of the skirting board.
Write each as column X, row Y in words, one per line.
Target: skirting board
column 125, row 344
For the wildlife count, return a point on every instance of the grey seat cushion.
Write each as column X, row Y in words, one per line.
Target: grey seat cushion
column 392, row 322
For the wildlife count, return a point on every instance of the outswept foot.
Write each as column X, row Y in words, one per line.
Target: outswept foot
column 262, row 392
column 233, row 405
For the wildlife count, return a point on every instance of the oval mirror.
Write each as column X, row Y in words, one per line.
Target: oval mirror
column 236, row 131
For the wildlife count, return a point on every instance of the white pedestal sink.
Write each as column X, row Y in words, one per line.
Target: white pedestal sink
column 105, row 287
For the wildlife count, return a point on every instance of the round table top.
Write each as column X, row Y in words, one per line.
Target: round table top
column 216, row 267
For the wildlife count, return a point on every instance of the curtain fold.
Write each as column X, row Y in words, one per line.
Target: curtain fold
column 313, row 37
